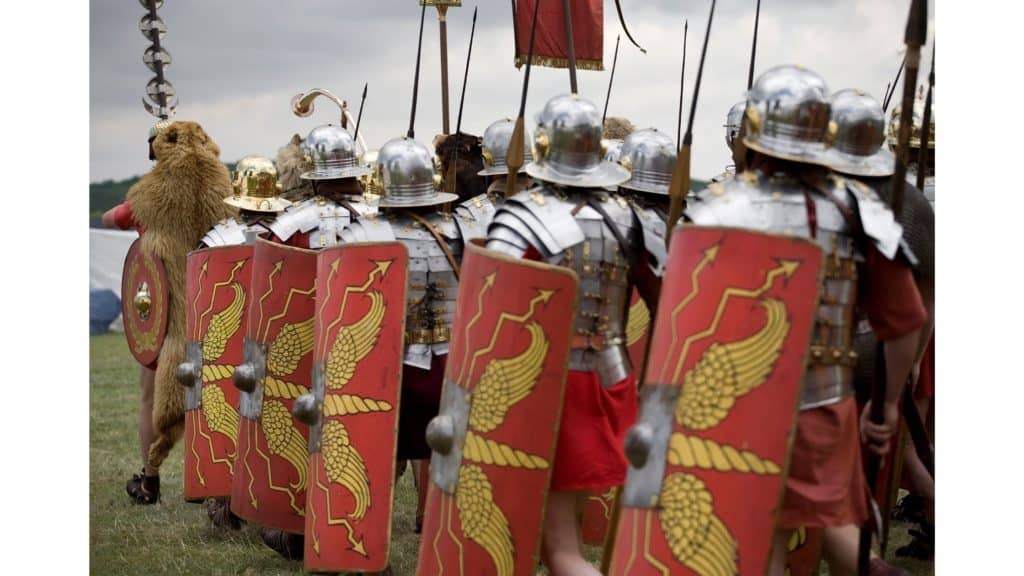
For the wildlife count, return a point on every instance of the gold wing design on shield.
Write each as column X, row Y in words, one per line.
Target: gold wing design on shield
column 353, row 342
column 506, row 381
column 638, row 320
column 294, row 341
column 698, row 539
column 482, row 519
column 345, row 466
column 220, row 416
column 223, row 325
column 727, row 371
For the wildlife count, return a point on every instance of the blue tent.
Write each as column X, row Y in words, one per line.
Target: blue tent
column 104, row 308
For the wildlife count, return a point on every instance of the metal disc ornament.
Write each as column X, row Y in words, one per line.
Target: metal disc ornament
column 150, row 23
column 154, row 58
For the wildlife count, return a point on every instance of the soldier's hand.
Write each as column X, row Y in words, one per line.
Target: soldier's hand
column 878, row 436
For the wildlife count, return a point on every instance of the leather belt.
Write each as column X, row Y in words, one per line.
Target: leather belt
column 826, row 384
column 435, row 335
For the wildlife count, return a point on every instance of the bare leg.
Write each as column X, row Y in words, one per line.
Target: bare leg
column 779, row 550
column 147, row 378
column 422, row 470
column 561, row 545
column 840, row 549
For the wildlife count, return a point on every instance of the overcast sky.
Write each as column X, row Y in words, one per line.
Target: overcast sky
column 236, row 65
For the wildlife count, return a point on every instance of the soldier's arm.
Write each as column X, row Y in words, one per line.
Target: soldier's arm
column 896, row 313
column 119, row 216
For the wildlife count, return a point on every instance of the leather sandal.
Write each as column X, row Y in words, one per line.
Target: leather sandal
column 143, row 489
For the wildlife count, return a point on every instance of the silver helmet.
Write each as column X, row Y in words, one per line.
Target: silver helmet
column 650, row 156
column 333, row 154
column 567, row 146
column 733, row 122
column 787, row 115
column 859, row 125
column 612, row 149
column 405, row 169
column 495, row 144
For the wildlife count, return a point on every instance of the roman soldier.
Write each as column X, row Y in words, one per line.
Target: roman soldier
column 495, row 150
column 171, row 206
column 858, row 152
column 218, row 283
column 786, row 190
column 269, row 485
column 572, row 221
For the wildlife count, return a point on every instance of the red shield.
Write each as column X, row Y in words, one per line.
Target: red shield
column 803, row 552
column 144, row 303
column 597, row 513
column 360, row 327
column 709, row 452
column 217, row 291
column 638, row 327
column 269, row 486
column 494, row 440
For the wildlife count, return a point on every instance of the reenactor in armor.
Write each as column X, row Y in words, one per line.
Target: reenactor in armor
column 495, row 150
column 317, row 221
column 650, row 156
column 786, row 190
column 570, row 219
column 256, row 197
column 858, row 151
column 733, row 129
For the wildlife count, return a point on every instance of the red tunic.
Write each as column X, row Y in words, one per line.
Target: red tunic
column 826, row 485
column 124, row 217
column 589, row 454
column 590, row 451
column 420, row 402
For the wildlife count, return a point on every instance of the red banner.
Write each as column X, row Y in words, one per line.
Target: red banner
column 550, row 47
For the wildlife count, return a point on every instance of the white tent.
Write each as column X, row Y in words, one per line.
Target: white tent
column 107, row 249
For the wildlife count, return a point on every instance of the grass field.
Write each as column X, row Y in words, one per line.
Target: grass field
column 174, row 537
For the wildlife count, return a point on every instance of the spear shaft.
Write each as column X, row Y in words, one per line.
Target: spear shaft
column 680, row 183
column 682, row 84
column 611, row 80
column 753, row 47
column 514, row 157
column 416, row 79
column 359, row 118
column 926, row 127
column 462, row 100
column 571, row 45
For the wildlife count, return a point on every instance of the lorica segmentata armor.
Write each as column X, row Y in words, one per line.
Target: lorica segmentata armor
column 782, row 204
column 566, row 231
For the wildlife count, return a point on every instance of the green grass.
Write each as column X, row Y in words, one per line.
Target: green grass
column 174, row 537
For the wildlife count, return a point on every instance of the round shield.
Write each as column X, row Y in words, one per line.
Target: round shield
column 144, row 304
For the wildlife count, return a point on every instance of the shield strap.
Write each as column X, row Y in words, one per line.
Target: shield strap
column 440, row 241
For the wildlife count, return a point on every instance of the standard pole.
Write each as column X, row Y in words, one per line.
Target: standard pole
column 442, row 19
column 567, row 13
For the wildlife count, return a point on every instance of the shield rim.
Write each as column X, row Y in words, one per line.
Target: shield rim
column 398, row 390
column 136, row 251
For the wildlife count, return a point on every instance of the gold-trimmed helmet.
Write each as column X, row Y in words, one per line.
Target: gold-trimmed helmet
column 494, row 148
column 255, row 186
column 892, row 135
column 787, row 115
column 567, row 146
column 859, row 124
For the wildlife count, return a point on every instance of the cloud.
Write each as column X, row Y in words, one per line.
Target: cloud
column 237, row 65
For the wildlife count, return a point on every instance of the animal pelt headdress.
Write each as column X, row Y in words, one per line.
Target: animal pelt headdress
column 290, row 163
column 176, row 202
column 616, row 128
column 470, row 161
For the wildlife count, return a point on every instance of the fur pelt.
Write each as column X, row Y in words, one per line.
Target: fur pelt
column 616, row 128
column 176, row 202
column 469, row 162
column 290, row 163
